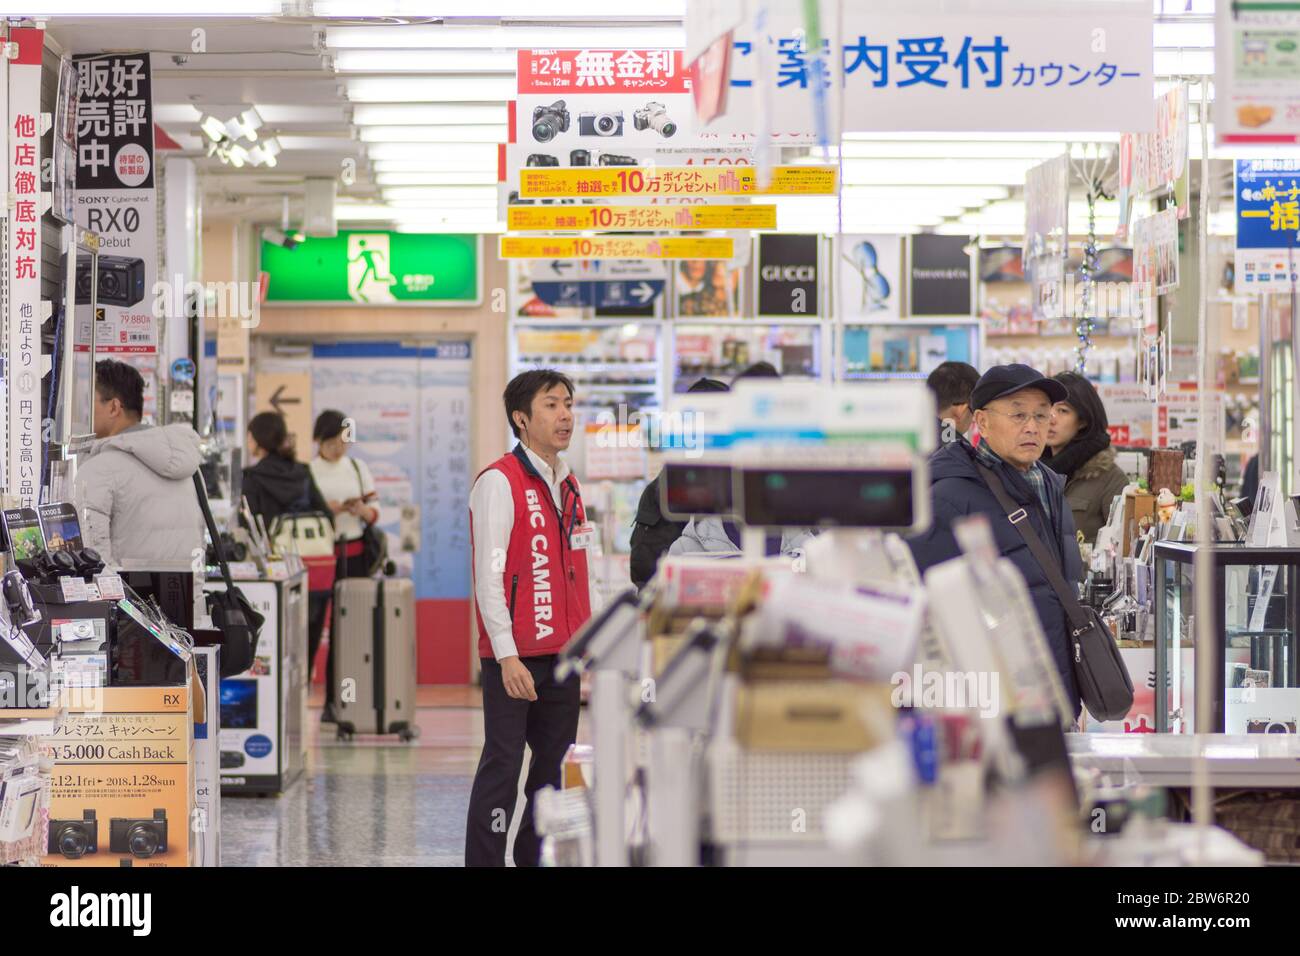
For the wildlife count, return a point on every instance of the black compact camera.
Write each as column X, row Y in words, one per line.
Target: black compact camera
column 121, row 280
column 600, row 124
column 75, row 838
column 654, row 116
column 550, row 121
column 614, row 159
column 541, row 159
column 140, row 838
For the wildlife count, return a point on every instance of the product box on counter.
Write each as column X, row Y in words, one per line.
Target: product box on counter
column 821, row 716
column 123, row 779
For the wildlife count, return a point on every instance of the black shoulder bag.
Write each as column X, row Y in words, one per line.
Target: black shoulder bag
column 1104, row 682
column 232, row 614
column 374, row 540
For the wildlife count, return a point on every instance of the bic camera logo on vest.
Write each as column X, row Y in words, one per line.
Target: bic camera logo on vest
column 370, row 276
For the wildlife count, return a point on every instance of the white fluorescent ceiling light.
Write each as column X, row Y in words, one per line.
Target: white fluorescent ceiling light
column 488, row 193
column 964, row 149
column 430, row 114
column 455, row 163
column 452, row 37
column 425, row 61
column 484, row 177
column 420, row 89
column 434, row 134
column 148, row 8
column 924, row 172
column 502, row 9
column 481, row 154
column 1026, row 136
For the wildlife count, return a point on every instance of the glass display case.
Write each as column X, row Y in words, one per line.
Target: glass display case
column 724, row 348
column 1255, row 689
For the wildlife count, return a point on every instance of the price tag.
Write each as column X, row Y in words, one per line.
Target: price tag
column 73, row 589
column 110, row 587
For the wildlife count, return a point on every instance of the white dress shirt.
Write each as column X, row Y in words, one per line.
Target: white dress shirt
column 492, row 508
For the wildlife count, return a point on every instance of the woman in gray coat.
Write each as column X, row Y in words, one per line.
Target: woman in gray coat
column 1078, row 447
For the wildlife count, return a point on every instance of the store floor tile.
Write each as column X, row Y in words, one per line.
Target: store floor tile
column 372, row 801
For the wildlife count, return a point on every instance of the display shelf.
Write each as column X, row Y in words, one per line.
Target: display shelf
column 906, row 348
column 723, row 350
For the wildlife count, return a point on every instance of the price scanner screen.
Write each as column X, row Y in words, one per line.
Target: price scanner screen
column 692, row 489
column 847, row 498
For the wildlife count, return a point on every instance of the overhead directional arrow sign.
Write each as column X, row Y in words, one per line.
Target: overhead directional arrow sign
column 603, row 294
column 279, row 400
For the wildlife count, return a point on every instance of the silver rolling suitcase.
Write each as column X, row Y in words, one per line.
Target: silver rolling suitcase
column 373, row 643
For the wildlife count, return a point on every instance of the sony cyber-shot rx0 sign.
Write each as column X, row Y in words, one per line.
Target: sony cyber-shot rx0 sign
column 115, row 197
column 787, row 274
column 940, row 274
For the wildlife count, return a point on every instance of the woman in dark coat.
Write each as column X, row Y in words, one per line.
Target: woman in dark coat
column 1078, row 447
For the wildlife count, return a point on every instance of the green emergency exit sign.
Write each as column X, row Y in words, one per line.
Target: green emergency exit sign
column 376, row 268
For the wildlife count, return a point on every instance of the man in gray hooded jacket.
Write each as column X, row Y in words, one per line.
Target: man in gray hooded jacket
column 135, row 489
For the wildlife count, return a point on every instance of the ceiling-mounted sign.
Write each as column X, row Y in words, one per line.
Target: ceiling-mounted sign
column 1268, row 224
column 1256, row 62
column 376, row 268
column 940, row 272
column 546, row 182
column 115, row 198
column 22, row 365
column 869, row 269
column 639, row 218
column 616, row 247
column 788, row 272
column 600, row 284
column 1155, row 252
column 958, row 64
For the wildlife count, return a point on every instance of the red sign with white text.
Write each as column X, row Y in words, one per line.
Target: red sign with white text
column 602, row 71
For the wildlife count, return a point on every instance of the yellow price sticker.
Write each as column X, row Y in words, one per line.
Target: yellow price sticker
column 616, row 247
column 640, row 218
column 544, row 182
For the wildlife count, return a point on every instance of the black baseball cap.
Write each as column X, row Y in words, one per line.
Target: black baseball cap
column 1003, row 380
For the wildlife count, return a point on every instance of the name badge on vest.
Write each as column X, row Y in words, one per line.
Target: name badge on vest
column 583, row 537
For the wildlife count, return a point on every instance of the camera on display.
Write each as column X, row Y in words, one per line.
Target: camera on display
column 121, row 280
column 74, row 838
column 541, row 159
column 550, row 121
column 654, row 116
column 600, row 124
column 140, row 838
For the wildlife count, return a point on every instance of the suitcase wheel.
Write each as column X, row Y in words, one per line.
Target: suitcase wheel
column 407, row 734
column 345, row 732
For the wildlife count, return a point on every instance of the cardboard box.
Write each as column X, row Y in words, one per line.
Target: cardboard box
column 578, row 764
column 1166, row 471
column 830, row 716
column 124, row 769
column 1137, row 505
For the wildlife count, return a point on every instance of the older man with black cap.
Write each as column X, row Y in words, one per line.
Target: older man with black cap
column 1013, row 409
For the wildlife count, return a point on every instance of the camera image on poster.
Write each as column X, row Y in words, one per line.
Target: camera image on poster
column 61, row 527
column 23, row 529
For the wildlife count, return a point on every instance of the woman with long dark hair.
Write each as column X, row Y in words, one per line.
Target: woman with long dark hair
column 1078, row 447
column 275, row 484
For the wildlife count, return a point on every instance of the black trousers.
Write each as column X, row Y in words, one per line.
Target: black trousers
column 548, row 725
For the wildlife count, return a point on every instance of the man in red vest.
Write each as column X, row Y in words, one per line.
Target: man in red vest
column 531, row 594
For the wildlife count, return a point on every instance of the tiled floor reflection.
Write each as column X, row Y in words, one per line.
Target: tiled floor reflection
column 372, row 801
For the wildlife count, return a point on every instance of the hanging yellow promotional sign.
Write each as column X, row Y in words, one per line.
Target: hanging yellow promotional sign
column 639, row 218
column 548, row 182
column 616, row 247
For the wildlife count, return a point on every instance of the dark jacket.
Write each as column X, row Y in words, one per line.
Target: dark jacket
column 1091, row 489
column 958, row 490
column 652, row 535
column 276, row 486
